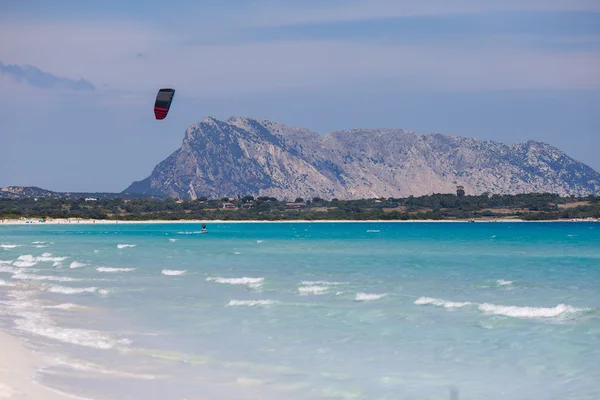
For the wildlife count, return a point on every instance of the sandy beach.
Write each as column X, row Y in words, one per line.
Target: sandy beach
column 71, row 221
column 18, row 366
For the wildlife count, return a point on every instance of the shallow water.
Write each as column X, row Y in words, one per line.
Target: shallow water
column 309, row 311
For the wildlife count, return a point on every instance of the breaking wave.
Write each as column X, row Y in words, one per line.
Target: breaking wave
column 173, row 272
column 32, row 277
column 110, row 269
column 251, row 303
column 76, row 264
column 122, row 246
column 71, row 290
column 369, row 296
column 304, row 290
column 559, row 311
column 251, row 282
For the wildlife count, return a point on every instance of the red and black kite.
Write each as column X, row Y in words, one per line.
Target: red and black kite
column 164, row 97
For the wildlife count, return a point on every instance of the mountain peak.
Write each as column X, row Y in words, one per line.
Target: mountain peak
column 261, row 157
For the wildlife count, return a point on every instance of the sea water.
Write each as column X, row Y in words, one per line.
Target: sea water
column 308, row 310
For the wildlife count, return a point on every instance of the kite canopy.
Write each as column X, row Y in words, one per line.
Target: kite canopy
column 164, row 97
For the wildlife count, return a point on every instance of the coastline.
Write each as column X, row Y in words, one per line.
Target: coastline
column 76, row 221
column 18, row 366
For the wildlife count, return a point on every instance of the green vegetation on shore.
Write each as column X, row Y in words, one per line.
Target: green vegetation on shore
column 532, row 206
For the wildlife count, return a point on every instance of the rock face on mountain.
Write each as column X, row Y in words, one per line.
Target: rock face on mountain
column 259, row 157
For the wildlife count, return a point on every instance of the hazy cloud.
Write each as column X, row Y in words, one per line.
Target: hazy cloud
column 300, row 13
column 40, row 79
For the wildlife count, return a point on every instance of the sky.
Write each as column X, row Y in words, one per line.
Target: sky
column 78, row 78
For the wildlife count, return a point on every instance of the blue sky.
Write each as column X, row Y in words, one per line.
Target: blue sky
column 79, row 118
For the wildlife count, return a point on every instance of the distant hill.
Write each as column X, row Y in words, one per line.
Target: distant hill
column 259, row 157
column 21, row 192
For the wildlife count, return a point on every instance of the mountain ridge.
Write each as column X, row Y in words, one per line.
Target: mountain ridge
column 261, row 157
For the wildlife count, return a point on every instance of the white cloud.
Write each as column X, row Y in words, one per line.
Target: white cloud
column 105, row 53
column 278, row 15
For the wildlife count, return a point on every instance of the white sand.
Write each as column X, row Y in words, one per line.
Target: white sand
column 65, row 221
column 17, row 372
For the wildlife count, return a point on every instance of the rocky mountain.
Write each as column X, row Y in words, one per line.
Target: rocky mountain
column 260, row 157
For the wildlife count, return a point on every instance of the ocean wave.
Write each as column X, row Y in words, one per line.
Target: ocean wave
column 31, row 277
column 326, row 283
column 441, row 303
column 251, row 282
column 172, row 240
column 46, row 257
column 9, row 246
column 38, row 242
column 189, row 233
column 71, row 290
column 373, row 230
column 502, row 282
column 6, row 262
column 31, row 318
column 76, row 264
column 24, row 264
column 66, row 306
column 304, row 290
column 110, row 269
column 122, row 246
column 369, row 296
column 251, row 303
column 4, row 283
column 561, row 310
column 525, row 312
column 173, row 272
column 11, row 270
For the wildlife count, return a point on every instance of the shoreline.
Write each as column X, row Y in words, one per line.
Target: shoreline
column 18, row 370
column 75, row 221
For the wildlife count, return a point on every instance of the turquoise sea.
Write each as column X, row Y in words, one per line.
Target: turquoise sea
column 308, row 310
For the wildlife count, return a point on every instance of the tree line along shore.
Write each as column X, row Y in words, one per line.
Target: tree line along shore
column 529, row 207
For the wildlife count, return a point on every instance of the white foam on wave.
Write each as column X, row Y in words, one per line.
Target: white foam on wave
column 11, row 270
column 9, row 246
column 326, row 283
column 6, row 262
column 4, row 283
column 24, row 264
column 173, row 272
column 259, row 241
column 369, row 296
column 111, row 269
column 38, row 242
column 46, row 257
column 31, row 318
column 71, row 290
column 66, row 306
column 122, row 246
column 31, row 277
column 172, row 240
column 304, row 290
column 561, row 310
column 251, row 282
column 189, row 233
column 251, row 303
column 441, row 303
column 76, row 264
column 373, row 230
column 503, row 282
